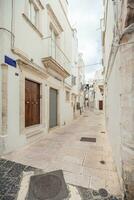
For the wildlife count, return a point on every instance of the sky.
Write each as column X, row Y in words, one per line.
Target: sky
column 85, row 16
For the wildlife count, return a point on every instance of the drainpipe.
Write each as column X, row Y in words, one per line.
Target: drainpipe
column 116, row 16
column 12, row 21
column 11, row 25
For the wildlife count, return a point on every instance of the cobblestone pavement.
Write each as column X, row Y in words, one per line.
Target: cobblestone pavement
column 85, row 164
column 11, row 185
column 10, row 178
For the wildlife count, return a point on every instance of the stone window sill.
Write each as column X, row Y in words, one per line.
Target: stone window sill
column 32, row 25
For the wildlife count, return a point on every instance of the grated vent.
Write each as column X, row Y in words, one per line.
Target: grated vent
column 87, row 139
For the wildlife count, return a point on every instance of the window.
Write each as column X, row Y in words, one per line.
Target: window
column 73, row 80
column 53, row 35
column 33, row 13
column 67, row 96
column 53, row 44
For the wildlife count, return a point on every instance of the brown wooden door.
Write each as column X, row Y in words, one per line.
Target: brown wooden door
column 100, row 105
column 32, row 103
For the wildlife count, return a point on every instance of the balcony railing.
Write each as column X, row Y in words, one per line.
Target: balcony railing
column 52, row 50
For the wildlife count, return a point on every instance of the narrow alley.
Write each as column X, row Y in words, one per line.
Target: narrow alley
column 86, row 164
column 67, row 100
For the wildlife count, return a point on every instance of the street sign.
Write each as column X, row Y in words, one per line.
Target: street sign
column 10, row 61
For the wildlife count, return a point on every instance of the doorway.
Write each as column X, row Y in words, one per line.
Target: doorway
column 53, row 107
column 32, row 103
column 100, row 105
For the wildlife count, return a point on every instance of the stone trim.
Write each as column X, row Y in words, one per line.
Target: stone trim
column 52, row 64
column 40, row 3
column 31, row 67
column 4, row 98
column 26, row 72
column 54, row 19
column 65, row 15
column 32, row 25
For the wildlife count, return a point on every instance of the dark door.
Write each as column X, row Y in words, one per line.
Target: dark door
column 32, row 103
column 100, row 105
column 53, row 108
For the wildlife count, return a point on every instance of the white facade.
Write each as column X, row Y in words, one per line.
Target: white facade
column 38, row 36
column 118, row 59
column 81, row 80
column 98, row 90
column 112, row 85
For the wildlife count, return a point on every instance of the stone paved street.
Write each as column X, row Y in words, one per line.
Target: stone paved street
column 17, row 182
column 80, row 161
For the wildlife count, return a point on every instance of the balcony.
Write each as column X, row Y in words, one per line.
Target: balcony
column 55, row 59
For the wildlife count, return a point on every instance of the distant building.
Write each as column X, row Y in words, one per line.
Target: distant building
column 98, row 91
column 81, row 81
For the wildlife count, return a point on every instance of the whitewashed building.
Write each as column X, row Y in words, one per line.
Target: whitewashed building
column 118, row 61
column 81, row 82
column 38, row 70
column 98, row 90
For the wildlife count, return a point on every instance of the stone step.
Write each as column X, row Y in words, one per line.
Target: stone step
column 34, row 136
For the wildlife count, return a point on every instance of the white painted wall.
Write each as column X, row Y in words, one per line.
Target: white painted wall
column 0, row 87
column 113, row 113
column 74, row 59
column 98, row 96
column 0, row 102
column 119, row 91
column 31, row 46
column 81, row 79
column 112, row 85
column 98, row 81
column 109, row 30
column 14, row 138
column 68, row 109
column 66, row 36
column 25, row 34
column 65, row 5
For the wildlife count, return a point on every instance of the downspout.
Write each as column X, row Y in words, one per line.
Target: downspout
column 11, row 25
column 116, row 15
column 12, row 21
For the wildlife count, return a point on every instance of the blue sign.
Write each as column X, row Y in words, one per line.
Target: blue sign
column 10, row 61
